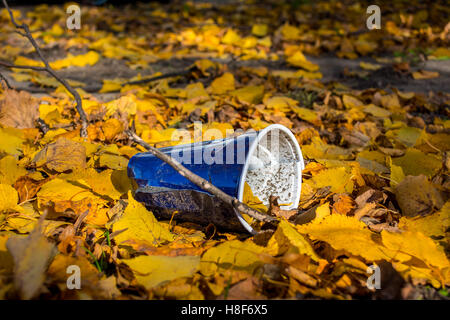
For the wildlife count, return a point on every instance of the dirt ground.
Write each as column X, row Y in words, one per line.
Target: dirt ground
column 345, row 71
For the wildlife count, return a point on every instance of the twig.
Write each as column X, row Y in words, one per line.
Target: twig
column 42, row 125
column 3, row 78
column 10, row 65
column 199, row 181
column 80, row 219
column 49, row 69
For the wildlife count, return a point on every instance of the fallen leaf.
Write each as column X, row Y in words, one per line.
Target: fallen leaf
column 151, row 271
column 417, row 196
column 423, row 74
column 18, row 109
column 32, row 256
column 140, row 225
column 242, row 256
column 8, row 197
column 223, row 84
column 62, row 155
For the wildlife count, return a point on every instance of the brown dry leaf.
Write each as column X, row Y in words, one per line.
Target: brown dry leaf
column 248, row 289
column 343, row 204
column 18, row 109
column 27, row 187
column 417, row 196
column 274, row 209
column 91, row 282
column 301, row 276
column 174, row 249
column 62, row 155
column 365, row 210
column 6, row 259
column 180, row 288
column 32, row 255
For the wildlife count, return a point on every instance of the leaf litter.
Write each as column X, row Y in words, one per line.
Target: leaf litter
column 375, row 188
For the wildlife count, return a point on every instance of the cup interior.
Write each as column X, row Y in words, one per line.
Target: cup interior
column 274, row 167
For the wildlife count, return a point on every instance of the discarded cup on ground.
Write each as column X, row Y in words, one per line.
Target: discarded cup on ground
column 270, row 161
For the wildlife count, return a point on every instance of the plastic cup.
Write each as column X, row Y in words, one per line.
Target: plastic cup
column 270, row 161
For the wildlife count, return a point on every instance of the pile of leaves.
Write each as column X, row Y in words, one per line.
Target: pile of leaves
column 375, row 187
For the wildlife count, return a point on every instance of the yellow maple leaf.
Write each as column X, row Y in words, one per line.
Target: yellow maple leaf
column 8, row 197
column 351, row 102
column 287, row 236
column 231, row 37
column 234, row 254
column 249, row 94
column 281, row 103
column 434, row 225
column 111, row 128
column 223, row 84
column 151, row 271
column 10, row 170
column 299, row 60
column 259, row 30
column 345, row 233
column 111, row 85
column 415, row 162
column 415, row 244
column 125, row 104
column 195, row 90
column 339, row 179
column 90, row 58
column 11, row 141
column 61, row 190
column 306, row 114
column 109, row 183
column 140, row 225
column 369, row 66
column 290, row 32
column 423, row 74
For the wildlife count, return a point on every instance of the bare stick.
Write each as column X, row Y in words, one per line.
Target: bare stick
column 199, row 181
column 10, row 65
column 3, row 78
column 49, row 69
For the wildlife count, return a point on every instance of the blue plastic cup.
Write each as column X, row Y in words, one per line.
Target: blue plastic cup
column 270, row 161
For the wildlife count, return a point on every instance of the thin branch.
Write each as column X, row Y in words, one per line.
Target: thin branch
column 3, row 78
column 10, row 65
column 42, row 125
column 49, row 69
column 199, row 181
